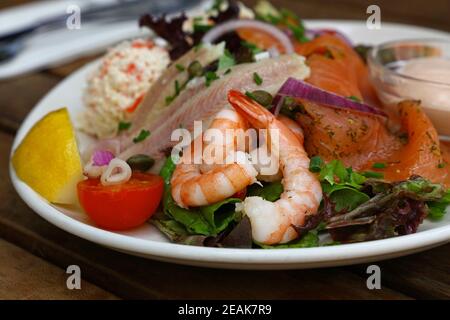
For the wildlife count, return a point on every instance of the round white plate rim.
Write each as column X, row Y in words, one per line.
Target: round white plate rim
column 225, row 257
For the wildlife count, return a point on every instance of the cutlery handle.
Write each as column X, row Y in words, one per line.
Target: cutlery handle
column 119, row 10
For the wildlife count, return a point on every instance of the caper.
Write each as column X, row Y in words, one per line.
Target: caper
column 291, row 107
column 140, row 162
column 195, row 69
column 262, row 97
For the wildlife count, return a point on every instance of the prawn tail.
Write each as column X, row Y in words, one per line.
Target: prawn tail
column 257, row 115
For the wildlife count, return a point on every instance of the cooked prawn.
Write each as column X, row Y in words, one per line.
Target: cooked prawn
column 196, row 184
column 263, row 160
column 276, row 222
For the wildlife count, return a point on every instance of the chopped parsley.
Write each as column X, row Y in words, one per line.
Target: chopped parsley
column 124, row 125
column 379, row 165
column 210, row 76
column 141, row 136
column 257, row 78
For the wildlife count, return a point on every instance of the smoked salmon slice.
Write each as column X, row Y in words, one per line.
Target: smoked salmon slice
column 421, row 153
column 360, row 140
column 343, row 61
column 357, row 139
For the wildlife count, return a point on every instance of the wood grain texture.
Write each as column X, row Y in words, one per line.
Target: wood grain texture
column 19, row 95
column 27, row 277
column 423, row 276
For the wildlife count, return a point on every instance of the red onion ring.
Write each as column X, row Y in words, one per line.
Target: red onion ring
column 102, row 157
column 232, row 25
column 302, row 90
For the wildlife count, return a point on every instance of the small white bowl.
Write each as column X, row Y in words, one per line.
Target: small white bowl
column 385, row 62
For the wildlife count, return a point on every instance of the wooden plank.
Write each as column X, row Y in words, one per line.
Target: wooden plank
column 25, row 276
column 132, row 277
column 423, row 276
column 19, row 95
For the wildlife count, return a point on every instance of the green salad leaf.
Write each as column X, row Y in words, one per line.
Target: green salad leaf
column 219, row 215
column 345, row 197
column 207, row 221
column 437, row 209
column 192, row 220
column 341, row 184
column 270, row 191
column 309, row 240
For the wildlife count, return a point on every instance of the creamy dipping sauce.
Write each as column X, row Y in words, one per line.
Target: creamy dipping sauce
column 436, row 95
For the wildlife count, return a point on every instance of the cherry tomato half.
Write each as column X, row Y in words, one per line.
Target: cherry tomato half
column 123, row 206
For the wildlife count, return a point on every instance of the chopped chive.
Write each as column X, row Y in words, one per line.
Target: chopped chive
column 210, row 76
column 257, row 78
column 379, row 165
column 124, row 125
column 250, row 95
column 169, row 100
column 201, row 28
column 227, row 72
column 354, row 98
column 177, row 88
column 180, row 67
column 371, row 174
column 141, row 136
column 251, row 46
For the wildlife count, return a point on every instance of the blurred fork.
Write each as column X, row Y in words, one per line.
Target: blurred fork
column 13, row 42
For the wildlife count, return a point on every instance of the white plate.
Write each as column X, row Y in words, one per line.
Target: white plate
column 147, row 242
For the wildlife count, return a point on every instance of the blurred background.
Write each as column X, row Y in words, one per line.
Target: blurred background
column 430, row 13
column 105, row 22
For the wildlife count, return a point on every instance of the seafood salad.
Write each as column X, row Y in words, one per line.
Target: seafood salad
column 241, row 127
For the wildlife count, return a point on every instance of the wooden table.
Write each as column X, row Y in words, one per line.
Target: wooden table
column 38, row 269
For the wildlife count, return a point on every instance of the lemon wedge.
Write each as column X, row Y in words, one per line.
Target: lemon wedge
column 48, row 160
